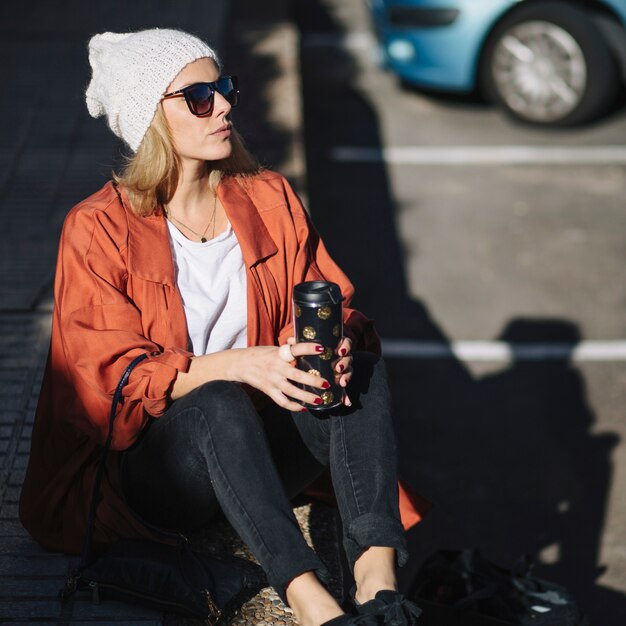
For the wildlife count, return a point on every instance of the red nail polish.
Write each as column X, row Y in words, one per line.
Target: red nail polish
column 325, row 385
column 343, row 351
column 303, row 409
column 341, row 367
column 319, row 348
column 318, row 401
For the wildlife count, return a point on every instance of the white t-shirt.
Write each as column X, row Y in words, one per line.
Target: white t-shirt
column 211, row 277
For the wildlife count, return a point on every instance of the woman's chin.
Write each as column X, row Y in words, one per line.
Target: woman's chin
column 202, row 156
column 219, row 154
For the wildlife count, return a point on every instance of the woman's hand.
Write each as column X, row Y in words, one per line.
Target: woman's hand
column 343, row 367
column 262, row 368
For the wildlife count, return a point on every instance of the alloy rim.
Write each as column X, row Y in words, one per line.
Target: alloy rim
column 539, row 71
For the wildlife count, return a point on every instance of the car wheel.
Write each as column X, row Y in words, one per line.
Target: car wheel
column 547, row 63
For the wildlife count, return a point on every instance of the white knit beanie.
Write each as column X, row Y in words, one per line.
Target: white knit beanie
column 130, row 73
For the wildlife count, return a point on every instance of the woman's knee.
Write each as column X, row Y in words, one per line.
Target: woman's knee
column 172, row 446
column 226, row 413
column 177, row 444
column 214, row 393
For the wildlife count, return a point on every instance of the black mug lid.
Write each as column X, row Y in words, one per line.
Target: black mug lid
column 317, row 292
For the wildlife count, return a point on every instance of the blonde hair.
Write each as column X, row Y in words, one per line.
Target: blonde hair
column 150, row 176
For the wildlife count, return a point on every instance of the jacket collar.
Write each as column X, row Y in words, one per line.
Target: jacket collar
column 252, row 234
column 149, row 252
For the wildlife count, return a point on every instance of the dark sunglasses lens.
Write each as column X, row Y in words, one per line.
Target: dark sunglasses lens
column 227, row 87
column 200, row 98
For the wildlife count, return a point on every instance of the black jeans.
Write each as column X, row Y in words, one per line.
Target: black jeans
column 212, row 450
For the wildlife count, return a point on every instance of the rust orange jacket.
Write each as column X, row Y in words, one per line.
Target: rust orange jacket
column 115, row 298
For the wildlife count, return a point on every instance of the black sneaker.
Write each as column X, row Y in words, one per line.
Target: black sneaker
column 392, row 606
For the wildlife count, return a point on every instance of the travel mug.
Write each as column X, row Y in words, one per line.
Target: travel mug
column 318, row 318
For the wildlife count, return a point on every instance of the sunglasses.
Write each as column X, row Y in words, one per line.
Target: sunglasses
column 200, row 96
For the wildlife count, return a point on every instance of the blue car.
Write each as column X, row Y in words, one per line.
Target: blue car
column 550, row 62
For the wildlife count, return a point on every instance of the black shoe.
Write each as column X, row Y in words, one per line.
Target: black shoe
column 392, row 606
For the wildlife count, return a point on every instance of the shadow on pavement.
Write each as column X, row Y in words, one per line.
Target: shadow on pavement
column 246, row 53
column 509, row 458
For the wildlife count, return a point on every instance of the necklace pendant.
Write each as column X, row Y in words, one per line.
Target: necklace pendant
column 203, row 240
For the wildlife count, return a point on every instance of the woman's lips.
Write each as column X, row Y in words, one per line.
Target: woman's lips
column 224, row 130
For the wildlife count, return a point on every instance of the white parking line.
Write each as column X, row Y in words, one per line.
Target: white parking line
column 482, row 155
column 501, row 351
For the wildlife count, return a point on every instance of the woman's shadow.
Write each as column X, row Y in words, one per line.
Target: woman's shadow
column 509, row 458
column 513, row 465
column 537, row 425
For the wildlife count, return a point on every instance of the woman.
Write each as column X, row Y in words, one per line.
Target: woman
column 190, row 256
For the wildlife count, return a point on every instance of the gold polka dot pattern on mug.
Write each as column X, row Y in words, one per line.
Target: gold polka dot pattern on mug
column 327, row 397
column 309, row 332
column 324, row 312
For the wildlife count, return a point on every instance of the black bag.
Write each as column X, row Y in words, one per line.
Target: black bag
column 164, row 577
column 460, row 588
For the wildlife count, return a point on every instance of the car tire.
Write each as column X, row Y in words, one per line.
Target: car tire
column 548, row 64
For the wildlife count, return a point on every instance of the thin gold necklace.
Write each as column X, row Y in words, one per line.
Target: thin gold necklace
column 203, row 239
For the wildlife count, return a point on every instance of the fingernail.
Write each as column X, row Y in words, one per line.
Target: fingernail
column 318, row 401
column 340, row 367
column 319, row 348
column 325, row 385
column 303, row 409
column 342, row 351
